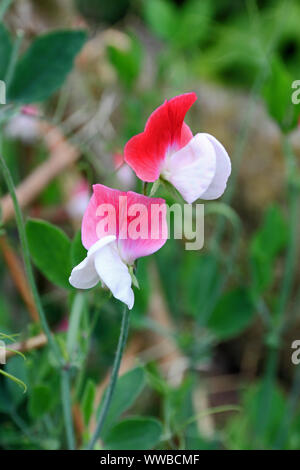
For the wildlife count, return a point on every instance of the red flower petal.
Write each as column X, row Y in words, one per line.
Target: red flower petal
column 164, row 131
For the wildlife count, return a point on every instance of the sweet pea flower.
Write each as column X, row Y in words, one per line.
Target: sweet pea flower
column 117, row 228
column 198, row 166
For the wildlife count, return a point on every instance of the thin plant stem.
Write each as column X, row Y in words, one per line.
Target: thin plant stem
column 67, row 408
column 26, row 257
column 113, row 378
column 145, row 187
column 82, row 372
column 65, row 386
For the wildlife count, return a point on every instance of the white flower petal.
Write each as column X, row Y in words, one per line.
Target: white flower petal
column 223, row 170
column 84, row 275
column 103, row 262
column 192, row 169
column 100, row 244
column 114, row 273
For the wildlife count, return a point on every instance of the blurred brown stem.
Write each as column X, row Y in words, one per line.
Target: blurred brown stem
column 17, row 272
column 62, row 154
column 35, row 342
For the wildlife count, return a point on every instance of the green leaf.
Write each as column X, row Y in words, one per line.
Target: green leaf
column 277, row 93
column 50, row 250
column 233, row 313
column 192, row 23
column 128, row 388
column 87, row 404
column 155, row 379
column 102, row 11
column 51, row 195
column 272, row 235
column 266, row 244
column 5, row 401
column 126, row 62
column 181, row 415
column 134, row 434
column 14, row 379
column 16, row 368
column 171, row 255
column 45, row 65
column 78, row 252
column 40, row 401
column 161, row 16
column 241, row 428
column 199, row 277
column 5, row 51
column 181, row 26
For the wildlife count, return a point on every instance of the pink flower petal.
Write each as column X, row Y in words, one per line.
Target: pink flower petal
column 138, row 222
column 164, row 131
column 152, row 230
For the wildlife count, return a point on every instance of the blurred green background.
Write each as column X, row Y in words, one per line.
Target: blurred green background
column 209, row 359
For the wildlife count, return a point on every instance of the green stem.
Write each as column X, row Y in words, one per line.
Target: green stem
column 26, row 256
column 81, row 375
column 67, row 407
column 113, row 379
column 145, row 187
column 65, row 386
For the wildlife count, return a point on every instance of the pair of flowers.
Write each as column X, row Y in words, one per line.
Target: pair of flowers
column 198, row 166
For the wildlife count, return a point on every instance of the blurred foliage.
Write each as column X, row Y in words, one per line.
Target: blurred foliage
column 183, row 27
column 106, row 11
column 5, row 50
column 231, row 304
column 127, row 63
column 265, row 246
